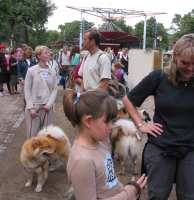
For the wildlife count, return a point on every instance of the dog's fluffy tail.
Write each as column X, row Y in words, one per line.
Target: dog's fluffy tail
column 53, row 131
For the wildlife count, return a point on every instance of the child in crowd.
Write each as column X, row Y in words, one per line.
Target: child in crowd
column 90, row 167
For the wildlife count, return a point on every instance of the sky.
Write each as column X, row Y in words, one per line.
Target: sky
column 63, row 14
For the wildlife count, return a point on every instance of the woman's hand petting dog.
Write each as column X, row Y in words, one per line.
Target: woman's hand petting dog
column 154, row 129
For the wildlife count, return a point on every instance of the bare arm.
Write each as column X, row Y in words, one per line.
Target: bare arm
column 132, row 111
column 154, row 129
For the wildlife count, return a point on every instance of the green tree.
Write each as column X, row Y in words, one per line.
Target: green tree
column 52, row 36
column 154, row 30
column 70, row 31
column 182, row 24
column 22, row 18
column 119, row 25
column 123, row 26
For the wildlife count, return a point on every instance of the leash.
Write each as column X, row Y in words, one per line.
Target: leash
column 41, row 120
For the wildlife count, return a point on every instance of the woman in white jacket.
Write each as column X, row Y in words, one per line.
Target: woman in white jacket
column 40, row 93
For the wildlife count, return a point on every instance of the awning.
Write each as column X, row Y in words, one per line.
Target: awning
column 118, row 37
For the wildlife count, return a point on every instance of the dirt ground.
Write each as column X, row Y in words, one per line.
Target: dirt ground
column 12, row 135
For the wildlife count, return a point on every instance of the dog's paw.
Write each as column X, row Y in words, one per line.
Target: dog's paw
column 28, row 184
column 38, row 188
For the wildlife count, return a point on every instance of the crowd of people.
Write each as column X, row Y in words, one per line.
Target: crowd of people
column 168, row 155
column 14, row 63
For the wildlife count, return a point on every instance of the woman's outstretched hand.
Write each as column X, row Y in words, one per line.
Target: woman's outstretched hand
column 154, row 129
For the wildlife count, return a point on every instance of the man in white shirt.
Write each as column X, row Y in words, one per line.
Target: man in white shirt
column 64, row 63
column 96, row 66
column 63, row 58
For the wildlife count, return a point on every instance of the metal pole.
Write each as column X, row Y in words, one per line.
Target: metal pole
column 81, row 32
column 11, row 40
column 11, row 43
column 64, row 42
column 144, row 32
column 155, row 34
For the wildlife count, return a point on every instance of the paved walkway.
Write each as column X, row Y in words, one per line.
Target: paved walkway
column 12, row 136
column 12, row 115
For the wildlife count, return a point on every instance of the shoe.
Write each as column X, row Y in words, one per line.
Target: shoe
column 6, row 93
column 1, row 94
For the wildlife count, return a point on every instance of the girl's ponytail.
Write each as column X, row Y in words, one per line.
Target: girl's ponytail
column 70, row 100
column 94, row 103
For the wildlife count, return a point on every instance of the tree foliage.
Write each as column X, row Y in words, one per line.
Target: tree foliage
column 23, row 18
column 119, row 25
column 154, row 30
column 123, row 26
column 182, row 24
column 24, row 21
column 70, row 31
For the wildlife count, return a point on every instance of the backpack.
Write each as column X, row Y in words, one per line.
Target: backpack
column 97, row 61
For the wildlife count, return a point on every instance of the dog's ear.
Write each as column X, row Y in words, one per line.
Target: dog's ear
column 120, row 134
column 124, row 110
column 116, row 134
column 35, row 143
column 147, row 116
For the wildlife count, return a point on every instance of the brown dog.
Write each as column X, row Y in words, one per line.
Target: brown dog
column 126, row 140
column 37, row 151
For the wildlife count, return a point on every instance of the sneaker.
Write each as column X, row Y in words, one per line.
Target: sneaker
column 1, row 94
column 6, row 93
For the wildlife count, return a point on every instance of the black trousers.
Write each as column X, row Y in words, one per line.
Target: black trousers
column 163, row 171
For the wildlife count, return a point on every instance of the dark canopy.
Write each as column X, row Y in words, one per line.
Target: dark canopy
column 118, row 37
column 112, row 34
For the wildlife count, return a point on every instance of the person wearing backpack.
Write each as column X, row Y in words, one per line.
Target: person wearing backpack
column 96, row 66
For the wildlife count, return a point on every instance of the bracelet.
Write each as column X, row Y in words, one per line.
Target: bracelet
column 136, row 185
column 140, row 125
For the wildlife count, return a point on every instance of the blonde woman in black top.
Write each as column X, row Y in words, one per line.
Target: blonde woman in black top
column 169, row 153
